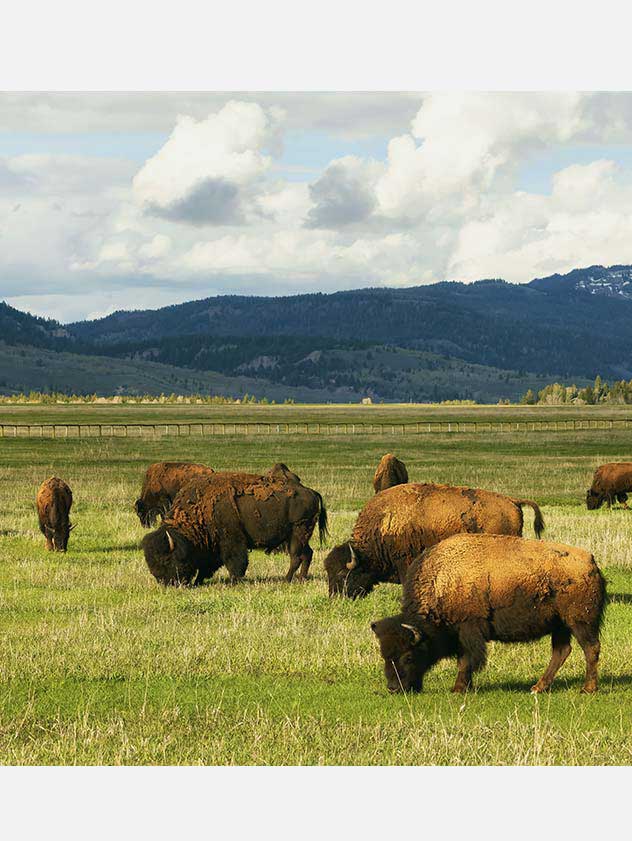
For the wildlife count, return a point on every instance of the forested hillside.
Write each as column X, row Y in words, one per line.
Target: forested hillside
column 484, row 341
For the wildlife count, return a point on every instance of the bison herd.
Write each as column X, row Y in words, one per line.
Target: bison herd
column 467, row 574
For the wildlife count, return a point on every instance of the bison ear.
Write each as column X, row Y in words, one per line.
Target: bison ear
column 414, row 632
column 374, row 627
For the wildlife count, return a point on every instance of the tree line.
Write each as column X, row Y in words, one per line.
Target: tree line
column 599, row 392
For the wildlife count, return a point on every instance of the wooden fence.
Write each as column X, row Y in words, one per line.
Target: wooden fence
column 153, row 430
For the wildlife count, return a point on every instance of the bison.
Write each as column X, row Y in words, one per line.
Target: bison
column 470, row 589
column 390, row 472
column 215, row 521
column 162, row 482
column 396, row 525
column 54, row 500
column 611, row 481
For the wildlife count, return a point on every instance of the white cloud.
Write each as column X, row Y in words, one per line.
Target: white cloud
column 344, row 194
column 208, row 213
column 348, row 115
column 205, row 172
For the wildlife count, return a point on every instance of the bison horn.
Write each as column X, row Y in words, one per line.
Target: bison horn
column 354, row 559
column 414, row 632
column 172, row 545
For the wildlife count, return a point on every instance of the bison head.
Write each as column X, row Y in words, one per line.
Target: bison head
column 594, row 499
column 405, row 653
column 347, row 575
column 146, row 515
column 173, row 558
column 59, row 535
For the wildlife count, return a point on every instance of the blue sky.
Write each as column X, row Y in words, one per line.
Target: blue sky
column 111, row 201
column 305, row 153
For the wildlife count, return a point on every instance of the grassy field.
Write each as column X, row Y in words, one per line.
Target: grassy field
column 100, row 665
column 401, row 413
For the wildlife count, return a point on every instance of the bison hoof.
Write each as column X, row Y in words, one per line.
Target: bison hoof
column 538, row 688
column 589, row 689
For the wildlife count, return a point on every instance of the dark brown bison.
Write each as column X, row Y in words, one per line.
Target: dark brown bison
column 54, row 500
column 470, row 589
column 162, row 482
column 396, row 525
column 390, row 472
column 611, row 481
column 215, row 521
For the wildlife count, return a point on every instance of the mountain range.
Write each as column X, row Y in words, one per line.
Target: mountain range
column 485, row 341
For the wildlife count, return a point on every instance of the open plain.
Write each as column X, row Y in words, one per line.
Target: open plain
column 101, row 665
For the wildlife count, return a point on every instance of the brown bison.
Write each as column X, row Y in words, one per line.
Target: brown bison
column 390, row 472
column 54, row 500
column 474, row 588
column 396, row 525
column 611, row 481
column 162, row 482
column 215, row 521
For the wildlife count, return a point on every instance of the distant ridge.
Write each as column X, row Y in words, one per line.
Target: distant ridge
column 425, row 342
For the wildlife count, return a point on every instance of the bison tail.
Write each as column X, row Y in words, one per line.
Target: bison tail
column 603, row 600
column 323, row 526
column 538, row 520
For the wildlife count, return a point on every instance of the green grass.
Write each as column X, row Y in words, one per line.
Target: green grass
column 299, row 413
column 100, row 665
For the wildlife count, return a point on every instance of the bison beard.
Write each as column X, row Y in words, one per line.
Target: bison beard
column 471, row 589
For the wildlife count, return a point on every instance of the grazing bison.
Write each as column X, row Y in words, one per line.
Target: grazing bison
column 390, row 472
column 162, row 482
column 396, row 525
column 470, row 589
column 611, row 481
column 54, row 500
column 215, row 521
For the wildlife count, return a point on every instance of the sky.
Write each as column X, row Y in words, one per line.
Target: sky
column 129, row 201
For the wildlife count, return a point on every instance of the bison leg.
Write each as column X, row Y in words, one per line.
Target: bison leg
column 561, row 648
column 589, row 641
column 464, row 675
column 623, row 499
column 472, row 654
column 307, row 556
column 300, row 553
column 295, row 562
column 235, row 559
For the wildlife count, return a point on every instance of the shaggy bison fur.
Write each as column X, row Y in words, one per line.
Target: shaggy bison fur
column 470, row 589
column 162, row 482
column 396, row 525
column 215, row 521
column 54, row 500
column 611, row 481
column 390, row 472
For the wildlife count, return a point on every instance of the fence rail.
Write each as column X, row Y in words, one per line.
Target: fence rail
column 211, row 429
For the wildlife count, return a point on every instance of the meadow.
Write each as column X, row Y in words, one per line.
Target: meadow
column 101, row 665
